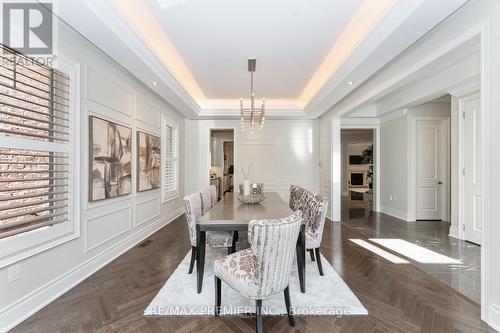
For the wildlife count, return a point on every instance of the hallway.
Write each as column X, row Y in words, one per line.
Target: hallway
column 432, row 235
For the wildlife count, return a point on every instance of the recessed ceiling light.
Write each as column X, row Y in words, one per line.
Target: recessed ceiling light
column 155, row 83
column 349, row 83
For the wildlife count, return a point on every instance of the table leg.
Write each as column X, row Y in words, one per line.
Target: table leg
column 200, row 257
column 301, row 258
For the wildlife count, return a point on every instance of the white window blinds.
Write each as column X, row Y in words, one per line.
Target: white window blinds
column 34, row 136
column 170, row 135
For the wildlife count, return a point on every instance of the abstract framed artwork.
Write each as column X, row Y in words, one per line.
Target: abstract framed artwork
column 110, row 159
column 148, row 161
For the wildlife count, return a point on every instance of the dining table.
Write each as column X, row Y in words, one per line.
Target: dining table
column 229, row 214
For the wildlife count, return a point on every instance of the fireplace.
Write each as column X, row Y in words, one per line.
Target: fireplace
column 357, row 179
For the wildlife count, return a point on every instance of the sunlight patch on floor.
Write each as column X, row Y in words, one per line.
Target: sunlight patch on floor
column 378, row 251
column 415, row 252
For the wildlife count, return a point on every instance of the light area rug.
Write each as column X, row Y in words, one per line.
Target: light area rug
column 325, row 295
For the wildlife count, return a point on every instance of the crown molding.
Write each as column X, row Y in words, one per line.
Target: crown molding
column 235, row 113
column 395, row 33
column 102, row 25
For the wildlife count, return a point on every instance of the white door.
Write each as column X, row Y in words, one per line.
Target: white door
column 472, row 170
column 431, row 163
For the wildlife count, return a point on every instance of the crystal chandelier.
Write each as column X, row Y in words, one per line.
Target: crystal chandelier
column 252, row 114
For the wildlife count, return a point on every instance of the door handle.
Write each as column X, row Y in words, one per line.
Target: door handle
column 440, row 183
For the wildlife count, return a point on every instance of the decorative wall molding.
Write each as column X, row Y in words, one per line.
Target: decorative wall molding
column 15, row 313
column 155, row 212
column 115, row 234
column 105, row 91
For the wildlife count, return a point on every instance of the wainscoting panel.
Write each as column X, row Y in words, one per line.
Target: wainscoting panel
column 104, row 91
column 104, row 227
column 283, row 153
column 146, row 211
column 297, row 163
column 264, row 159
column 147, row 113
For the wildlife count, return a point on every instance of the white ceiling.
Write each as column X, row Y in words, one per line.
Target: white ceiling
column 196, row 50
column 289, row 38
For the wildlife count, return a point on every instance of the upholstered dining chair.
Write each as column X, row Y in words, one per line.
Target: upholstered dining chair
column 264, row 269
column 314, row 213
column 298, row 197
column 193, row 205
column 314, row 208
column 206, row 199
column 213, row 195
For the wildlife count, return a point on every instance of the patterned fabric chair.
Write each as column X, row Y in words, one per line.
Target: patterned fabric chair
column 314, row 208
column 314, row 215
column 206, row 199
column 264, row 269
column 298, row 197
column 193, row 205
column 213, row 195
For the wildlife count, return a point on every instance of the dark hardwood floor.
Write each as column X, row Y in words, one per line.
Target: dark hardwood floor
column 399, row 298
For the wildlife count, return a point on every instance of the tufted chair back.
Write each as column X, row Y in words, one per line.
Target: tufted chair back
column 273, row 246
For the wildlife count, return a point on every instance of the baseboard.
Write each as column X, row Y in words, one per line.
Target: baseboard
column 394, row 212
column 494, row 317
column 17, row 312
column 453, row 232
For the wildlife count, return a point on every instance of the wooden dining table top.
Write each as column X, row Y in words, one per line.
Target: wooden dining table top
column 230, row 212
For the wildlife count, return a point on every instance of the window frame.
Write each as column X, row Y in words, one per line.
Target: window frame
column 21, row 246
column 167, row 196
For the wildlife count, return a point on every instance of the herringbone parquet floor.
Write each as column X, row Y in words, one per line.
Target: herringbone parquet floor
column 399, row 298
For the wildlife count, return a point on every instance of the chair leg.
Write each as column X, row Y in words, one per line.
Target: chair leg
column 318, row 260
column 291, row 320
column 233, row 247
column 259, row 326
column 311, row 252
column 217, row 295
column 193, row 259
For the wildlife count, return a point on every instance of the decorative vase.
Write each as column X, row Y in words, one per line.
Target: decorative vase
column 246, row 187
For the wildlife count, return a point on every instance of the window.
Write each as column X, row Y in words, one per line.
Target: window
column 170, row 149
column 35, row 149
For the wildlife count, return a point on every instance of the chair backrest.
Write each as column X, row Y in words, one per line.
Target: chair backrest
column 206, row 199
column 192, row 203
column 273, row 244
column 314, row 213
column 298, row 197
column 213, row 195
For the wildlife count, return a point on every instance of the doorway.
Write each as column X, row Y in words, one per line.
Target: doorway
column 432, row 163
column 357, row 171
column 222, row 160
column 471, row 219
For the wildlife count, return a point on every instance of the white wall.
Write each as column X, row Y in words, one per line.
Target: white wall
column 393, row 167
column 325, row 158
column 395, row 158
column 285, row 152
column 108, row 227
column 476, row 18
